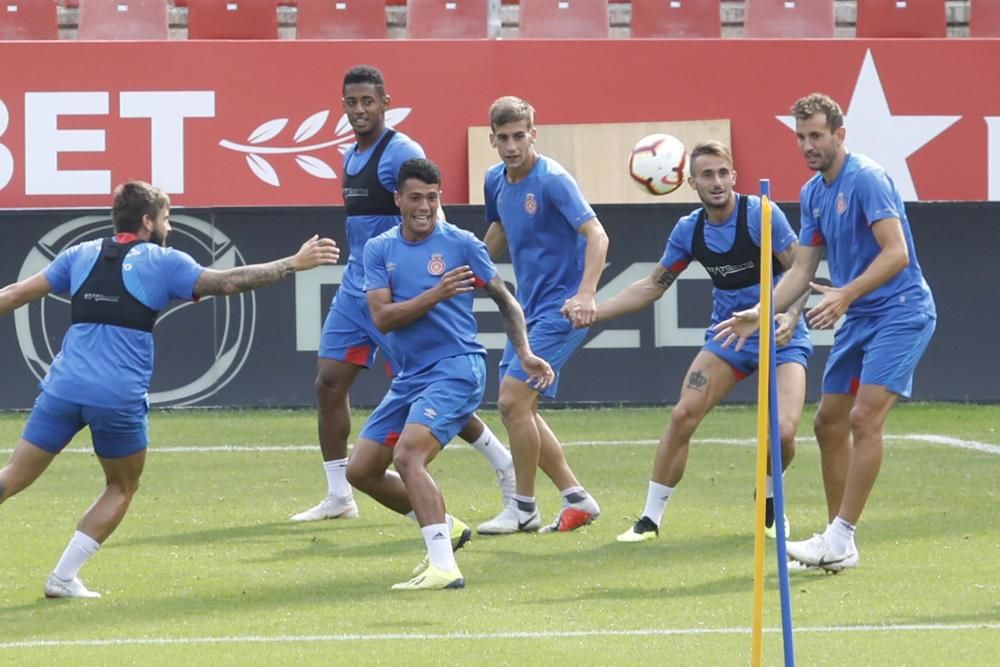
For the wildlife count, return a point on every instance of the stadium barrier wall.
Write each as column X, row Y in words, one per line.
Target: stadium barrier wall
column 259, row 123
column 259, row 349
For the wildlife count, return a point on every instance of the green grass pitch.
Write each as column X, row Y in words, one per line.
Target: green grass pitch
column 206, row 569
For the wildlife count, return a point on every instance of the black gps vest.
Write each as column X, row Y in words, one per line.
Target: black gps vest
column 739, row 266
column 103, row 299
column 364, row 194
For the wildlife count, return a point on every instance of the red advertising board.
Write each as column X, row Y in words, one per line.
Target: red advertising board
column 260, row 123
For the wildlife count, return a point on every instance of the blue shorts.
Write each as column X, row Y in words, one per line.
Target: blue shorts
column 116, row 432
column 554, row 340
column 879, row 350
column 349, row 335
column 745, row 362
column 442, row 398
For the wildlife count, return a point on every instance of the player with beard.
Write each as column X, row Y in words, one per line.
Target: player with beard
column 100, row 378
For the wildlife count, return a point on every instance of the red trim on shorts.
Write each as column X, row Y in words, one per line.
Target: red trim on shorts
column 389, row 373
column 738, row 374
column 357, row 355
column 391, row 439
column 817, row 239
column 478, row 282
column 855, row 383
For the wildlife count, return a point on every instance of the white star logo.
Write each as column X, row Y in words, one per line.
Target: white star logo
column 885, row 138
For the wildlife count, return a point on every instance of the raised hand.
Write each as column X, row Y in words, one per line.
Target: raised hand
column 738, row 328
column 314, row 252
column 457, row 281
column 831, row 307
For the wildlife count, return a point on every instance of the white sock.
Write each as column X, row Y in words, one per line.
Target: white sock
column 572, row 495
column 495, row 452
column 448, row 519
column 438, row 540
column 336, row 478
column 769, row 487
column 839, row 535
column 79, row 550
column 657, row 496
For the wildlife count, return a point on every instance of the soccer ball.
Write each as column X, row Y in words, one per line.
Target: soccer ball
column 657, row 163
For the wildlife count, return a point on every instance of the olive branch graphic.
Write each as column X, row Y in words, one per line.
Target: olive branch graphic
column 255, row 147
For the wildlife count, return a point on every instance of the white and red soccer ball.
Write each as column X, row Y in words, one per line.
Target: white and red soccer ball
column 657, row 163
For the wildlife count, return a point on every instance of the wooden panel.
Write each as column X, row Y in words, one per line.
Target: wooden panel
column 597, row 155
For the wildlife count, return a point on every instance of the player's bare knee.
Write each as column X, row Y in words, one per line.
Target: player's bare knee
column 865, row 422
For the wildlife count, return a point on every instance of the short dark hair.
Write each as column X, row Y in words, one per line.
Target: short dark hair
column 420, row 169
column 810, row 105
column 365, row 74
column 132, row 201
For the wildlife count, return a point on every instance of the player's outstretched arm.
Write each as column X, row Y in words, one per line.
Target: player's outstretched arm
column 17, row 294
column 584, row 301
column 635, row 297
column 495, row 240
column 313, row 253
column 389, row 316
column 540, row 374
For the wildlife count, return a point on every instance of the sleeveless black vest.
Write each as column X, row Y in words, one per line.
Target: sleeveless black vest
column 739, row 266
column 364, row 194
column 103, row 299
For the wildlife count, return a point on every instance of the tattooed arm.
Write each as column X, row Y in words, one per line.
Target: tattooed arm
column 636, row 296
column 540, row 374
column 313, row 252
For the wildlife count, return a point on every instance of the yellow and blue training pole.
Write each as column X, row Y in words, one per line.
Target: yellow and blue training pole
column 768, row 433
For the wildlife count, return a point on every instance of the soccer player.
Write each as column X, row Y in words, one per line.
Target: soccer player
column 100, row 378
column 851, row 209
column 349, row 338
column 419, row 279
column 557, row 246
column 724, row 236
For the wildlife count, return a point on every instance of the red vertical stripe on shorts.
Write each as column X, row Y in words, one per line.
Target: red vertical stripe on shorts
column 357, row 355
column 391, row 439
column 855, row 383
column 389, row 373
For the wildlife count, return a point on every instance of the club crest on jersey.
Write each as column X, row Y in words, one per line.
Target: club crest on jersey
column 841, row 203
column 435, row 267
column 530, row 205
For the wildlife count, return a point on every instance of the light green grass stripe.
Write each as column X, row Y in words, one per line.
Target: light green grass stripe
column 464, row 636
column 931, row 438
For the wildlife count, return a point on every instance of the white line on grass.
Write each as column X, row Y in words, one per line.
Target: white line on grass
column 931, row 438
column 552, row 634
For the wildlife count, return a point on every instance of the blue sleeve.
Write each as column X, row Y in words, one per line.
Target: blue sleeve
column 876, row 195
column 809, row 234
column 677, row 253
column 479, row 260
column 565, row 194
column 58, row 272
column 489, row 197
column 782, row 235
column 376, row 275
column 182, row 272
column 396, row 153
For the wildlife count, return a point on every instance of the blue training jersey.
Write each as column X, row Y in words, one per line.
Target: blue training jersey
column 720, row 238
column 409, row 269
column 361, row 228
column 104, row 365
column 839, row 216
column 541, row 217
